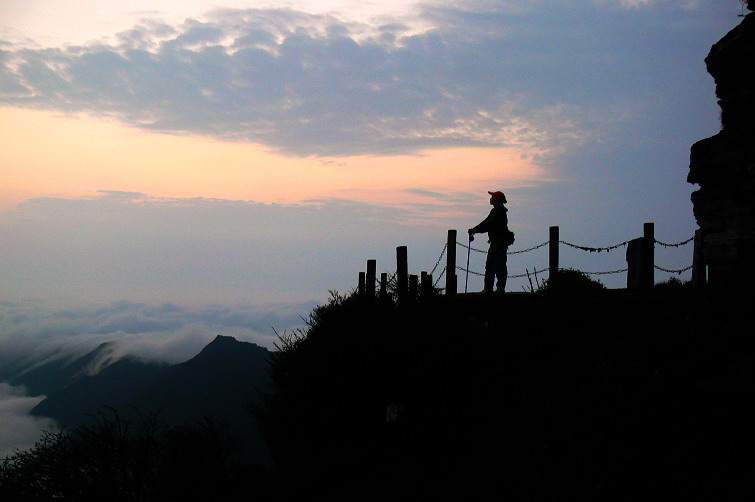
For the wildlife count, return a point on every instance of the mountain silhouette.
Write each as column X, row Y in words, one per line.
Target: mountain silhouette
column 221, row 382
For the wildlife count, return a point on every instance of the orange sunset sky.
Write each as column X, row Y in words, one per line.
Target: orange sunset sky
column 49, row 154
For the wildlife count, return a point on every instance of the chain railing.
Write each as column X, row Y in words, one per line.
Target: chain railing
column 679, row 271
column 595, row 250
column 442, row 272
column 589, row 249
column 443, row 252
column 527, row 274
column 640, row 245
column 678, row 244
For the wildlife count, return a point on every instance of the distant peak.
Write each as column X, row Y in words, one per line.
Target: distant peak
column 224, row 347
column 224, row 339
column 220, row 344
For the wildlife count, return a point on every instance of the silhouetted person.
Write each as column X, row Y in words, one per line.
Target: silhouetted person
column 496, row 225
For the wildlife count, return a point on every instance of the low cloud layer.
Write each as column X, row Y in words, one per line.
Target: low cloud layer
column 539, row 74
column 19, row 430
column 35, row 332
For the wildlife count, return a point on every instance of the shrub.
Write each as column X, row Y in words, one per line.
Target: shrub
column 115, row 459
column 570, row 281
column 672, row 284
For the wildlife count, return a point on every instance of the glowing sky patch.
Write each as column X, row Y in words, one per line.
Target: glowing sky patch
column 82, row 155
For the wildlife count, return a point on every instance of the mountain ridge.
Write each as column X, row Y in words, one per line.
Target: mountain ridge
column 221, row 382
column 49, row 376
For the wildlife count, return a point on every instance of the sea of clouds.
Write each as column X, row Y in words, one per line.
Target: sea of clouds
column 32, row 333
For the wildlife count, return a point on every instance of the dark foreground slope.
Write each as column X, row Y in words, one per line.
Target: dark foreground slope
column 534, row 397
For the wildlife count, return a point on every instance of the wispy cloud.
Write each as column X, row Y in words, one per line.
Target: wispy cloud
column 315, row 85
column 457, row 199
column 430, row 194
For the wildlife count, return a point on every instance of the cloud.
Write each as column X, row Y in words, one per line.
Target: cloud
column 458, row 200
column 37, row 332
column 430, row 194
column 484, row 74
column 20, row 430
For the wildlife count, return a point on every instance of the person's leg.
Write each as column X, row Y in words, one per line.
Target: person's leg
column 497, row 255
column 490, row 271
column 502, row 274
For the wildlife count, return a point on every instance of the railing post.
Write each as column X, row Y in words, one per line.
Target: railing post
column 451, row 263
column 553, row 256
column 647, row 260
column 425, row 285
column 402, row 270
column 633, row 255
column 413, row 287
column 370, row 279
column 698, row 261
column 360, row 288
column 383, row 286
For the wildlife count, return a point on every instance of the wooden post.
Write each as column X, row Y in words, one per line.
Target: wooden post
column 647, row 260
column 402, row 271
column 361, row 284
column 383, row 286
column 425, row 285
column 370, row 279
column 698, row 261
column 553, row 256
column 451, row 263
column 634, row 252
column 413, row 287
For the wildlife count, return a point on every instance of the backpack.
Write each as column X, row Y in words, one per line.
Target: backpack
column 508, row 237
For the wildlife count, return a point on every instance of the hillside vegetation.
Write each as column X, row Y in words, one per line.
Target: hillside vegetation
column 536, row 397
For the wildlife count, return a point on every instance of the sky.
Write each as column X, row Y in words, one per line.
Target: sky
column 172, row 170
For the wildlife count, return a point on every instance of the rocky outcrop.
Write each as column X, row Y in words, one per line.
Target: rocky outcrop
column 724, row 165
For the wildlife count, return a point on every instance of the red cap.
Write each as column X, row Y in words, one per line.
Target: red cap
column 498, row 195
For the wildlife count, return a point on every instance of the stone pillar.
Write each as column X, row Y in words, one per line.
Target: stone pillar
column 724, row 165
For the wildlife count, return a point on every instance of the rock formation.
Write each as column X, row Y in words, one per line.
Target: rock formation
column 724, row 165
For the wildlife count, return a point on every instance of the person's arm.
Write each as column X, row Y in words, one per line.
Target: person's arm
column 482, row 227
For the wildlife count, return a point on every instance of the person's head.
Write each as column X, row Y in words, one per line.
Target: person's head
column 497, row 198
